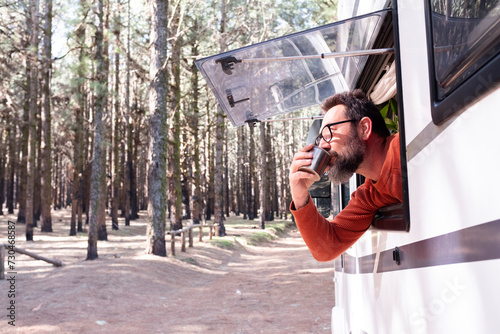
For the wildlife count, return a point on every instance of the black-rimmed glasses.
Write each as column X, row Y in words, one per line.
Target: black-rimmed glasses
column 326, row 133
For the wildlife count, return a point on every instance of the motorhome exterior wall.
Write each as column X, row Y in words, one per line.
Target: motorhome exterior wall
column 414, row 67
column 452, row 286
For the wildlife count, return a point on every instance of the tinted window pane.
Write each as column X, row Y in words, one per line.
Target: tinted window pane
column 466, row 35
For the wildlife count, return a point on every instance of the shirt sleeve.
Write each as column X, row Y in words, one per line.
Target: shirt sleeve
column 328, row 239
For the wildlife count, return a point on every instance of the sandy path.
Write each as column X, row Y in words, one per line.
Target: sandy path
column 276, row 287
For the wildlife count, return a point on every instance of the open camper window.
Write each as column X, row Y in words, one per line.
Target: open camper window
column 289, row 73
column 464, row 53
column 259, row 82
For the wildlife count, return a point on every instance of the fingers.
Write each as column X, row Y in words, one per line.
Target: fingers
column 306, row 148
column 301, row 158
column 301, row 181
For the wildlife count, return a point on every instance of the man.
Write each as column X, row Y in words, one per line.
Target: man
column 355, row 135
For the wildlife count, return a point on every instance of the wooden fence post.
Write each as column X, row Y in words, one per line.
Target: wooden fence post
column 172, row 244
column 190, row 236
column 183, row 241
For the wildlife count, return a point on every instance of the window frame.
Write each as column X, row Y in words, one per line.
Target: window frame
column 468, row 91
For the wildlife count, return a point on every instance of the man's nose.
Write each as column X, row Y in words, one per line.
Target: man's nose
column 324, row 145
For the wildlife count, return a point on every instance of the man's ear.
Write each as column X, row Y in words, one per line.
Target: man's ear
column 365, row 128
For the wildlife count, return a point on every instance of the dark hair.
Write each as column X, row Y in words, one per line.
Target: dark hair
column 358, row 106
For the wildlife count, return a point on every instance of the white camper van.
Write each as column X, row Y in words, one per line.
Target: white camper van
column 432, row 263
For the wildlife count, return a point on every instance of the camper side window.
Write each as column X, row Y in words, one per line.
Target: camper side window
column 464, row 52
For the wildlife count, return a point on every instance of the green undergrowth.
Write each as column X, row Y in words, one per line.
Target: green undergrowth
column 247, row 232
column 189, row 260
column 224, row 243
column 257, row 238
column 272, row 231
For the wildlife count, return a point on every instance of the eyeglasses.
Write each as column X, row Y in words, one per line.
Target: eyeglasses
column 327, row 134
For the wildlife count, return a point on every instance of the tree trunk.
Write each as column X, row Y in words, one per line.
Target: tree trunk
column 219, row 144
column 134, row 205
column 227, row 196
column 126, row 183
column 252, row 183
column 125, row 203
column 271, row 176
column 246, row 193
column 102, row 104
column 157, row 181
column 47, row 140
column 98, row 167
column 56, row 175
column 116, row 132
column 33, row 56
column 210, row 169
column 25, row 133
column 196, row 198
column 79, row 85
column 175, row 91
column 263, row 176
column 11, row 135
column 37, row 184
column 218, row 213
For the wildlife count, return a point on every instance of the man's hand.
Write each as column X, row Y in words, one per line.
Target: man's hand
column 301, row 181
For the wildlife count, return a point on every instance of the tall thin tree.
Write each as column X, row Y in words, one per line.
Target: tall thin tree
column 47, row 120
column 33, row 98
column 116, row 125
column 175, row 162
column 157, row 181
column 219, row 144
column 196, row 198
column 263, row 176
column 80, row 93
column 97, row 193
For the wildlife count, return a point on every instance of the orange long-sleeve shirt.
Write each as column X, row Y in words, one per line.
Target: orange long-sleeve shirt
column 328, row 239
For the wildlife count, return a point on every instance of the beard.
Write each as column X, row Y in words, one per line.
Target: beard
column 345, row 163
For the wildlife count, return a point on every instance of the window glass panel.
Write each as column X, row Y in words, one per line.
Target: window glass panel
column 465, row 37
column 286, row 74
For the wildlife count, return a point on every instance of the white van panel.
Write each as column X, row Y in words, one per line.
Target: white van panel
column 414, row 67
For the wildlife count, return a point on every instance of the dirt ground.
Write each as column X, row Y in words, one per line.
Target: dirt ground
column 266, row 287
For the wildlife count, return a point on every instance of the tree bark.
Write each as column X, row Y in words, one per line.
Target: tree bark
column 219, row 144
column 271, row 176
column 157, row 181
column 102, row 102
column 25, row 133
column 47, row 120
column 37, row 180
column 263, row 176
column 246, row 182
column 12, row 170
column 218, row 209
column 239, row 174
column 33, row 56
column 98, row 167
column 252, row 183
column 80, row 94
column 116, row 132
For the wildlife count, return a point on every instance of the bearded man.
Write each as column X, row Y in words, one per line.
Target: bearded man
column 354, row 133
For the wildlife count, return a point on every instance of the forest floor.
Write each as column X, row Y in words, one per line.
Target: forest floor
column 250, row 281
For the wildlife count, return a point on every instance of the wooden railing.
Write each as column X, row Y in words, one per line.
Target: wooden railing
column 189, row 230
column 213, row 228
